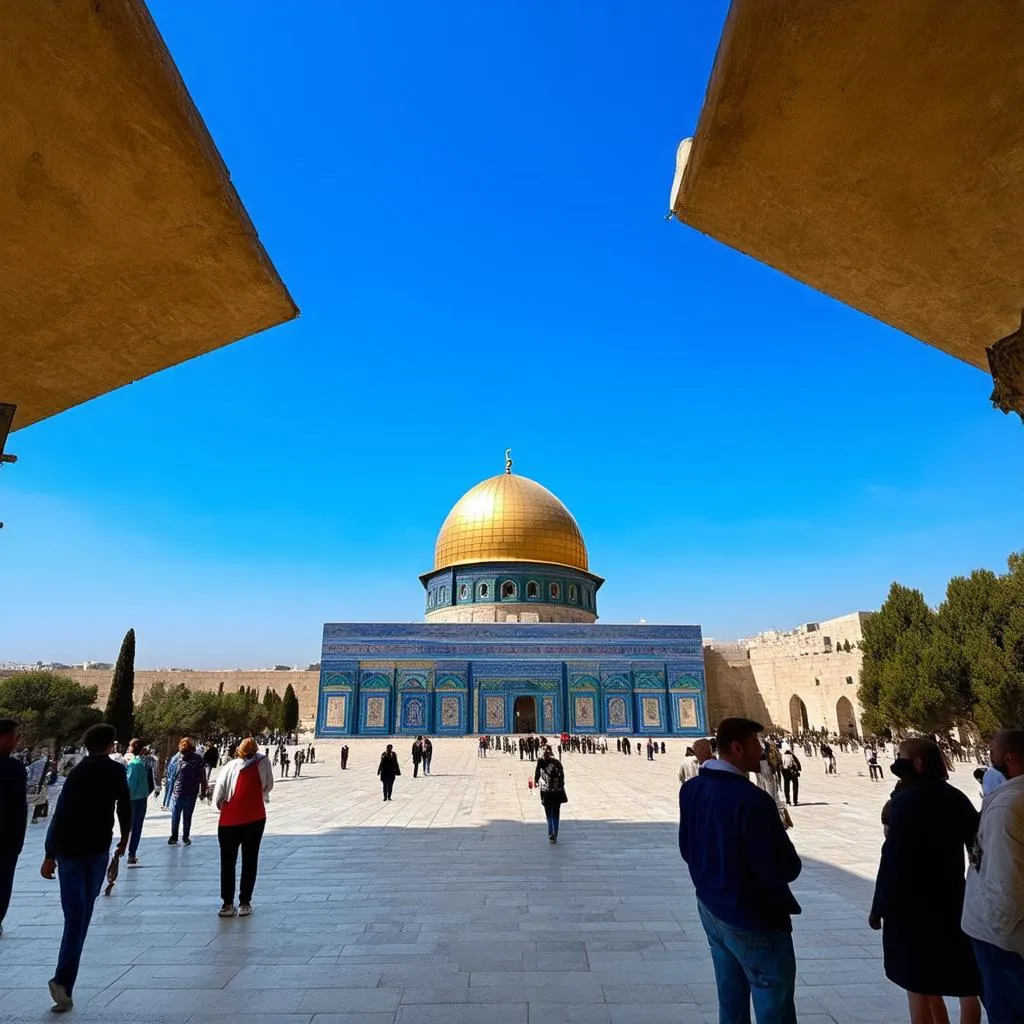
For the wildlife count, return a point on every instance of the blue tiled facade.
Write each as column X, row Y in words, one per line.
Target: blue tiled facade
column 385, row 679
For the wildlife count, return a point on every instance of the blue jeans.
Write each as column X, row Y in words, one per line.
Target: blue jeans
column 758, row 965
column 552, row 810
column 182, row 806
column 138, row 817
column 168, row 790
column 1002, row 982
column 81, row 879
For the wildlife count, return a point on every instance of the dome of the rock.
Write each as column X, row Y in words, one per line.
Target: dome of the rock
column 510, row 518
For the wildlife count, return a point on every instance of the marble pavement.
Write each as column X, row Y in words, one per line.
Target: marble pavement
column 448, row 905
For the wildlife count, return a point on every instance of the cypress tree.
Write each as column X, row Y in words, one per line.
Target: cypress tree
column 289, row 710
column 120, row 711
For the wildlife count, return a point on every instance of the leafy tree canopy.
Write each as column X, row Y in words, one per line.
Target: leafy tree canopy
column 48, row 706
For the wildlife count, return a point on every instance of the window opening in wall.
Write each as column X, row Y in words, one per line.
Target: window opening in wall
column 463, row 591
column 555, row 591
column 484, row 590
column 849, row 680
column 573, row 593
column 508, row 589
column 817, row 681
column 532, row 589
column 430, row 600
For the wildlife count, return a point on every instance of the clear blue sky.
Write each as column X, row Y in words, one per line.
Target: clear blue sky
column 467, row 202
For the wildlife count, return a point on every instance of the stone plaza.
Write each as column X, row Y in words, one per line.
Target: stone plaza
column 448, row 904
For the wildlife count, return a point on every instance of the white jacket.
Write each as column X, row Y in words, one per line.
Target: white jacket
column 689, row 768
column 224, row 790
column 994, row 900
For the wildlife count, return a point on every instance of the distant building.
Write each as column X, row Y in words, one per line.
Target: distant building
column 510, row 643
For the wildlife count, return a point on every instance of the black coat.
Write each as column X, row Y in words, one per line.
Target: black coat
column 919, row 891
column 13, row 805
column 417, row 752
column 388, row 767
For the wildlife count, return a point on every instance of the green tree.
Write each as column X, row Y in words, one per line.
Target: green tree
column 120, row 711
column 48, row 706
column 894, row 641
column 289, row 710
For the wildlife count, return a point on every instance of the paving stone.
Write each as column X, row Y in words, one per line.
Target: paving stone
column 448, row 905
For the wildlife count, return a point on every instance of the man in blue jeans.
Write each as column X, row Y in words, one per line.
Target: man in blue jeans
column 993, row 915
column 78, row 845
column 741, row 862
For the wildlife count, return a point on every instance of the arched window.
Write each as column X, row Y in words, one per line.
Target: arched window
column 573, row 594
column 430, row 599
column 555, row 591
column 463, row 592
column 483, row 590
column 533, row 589
column 508, row 589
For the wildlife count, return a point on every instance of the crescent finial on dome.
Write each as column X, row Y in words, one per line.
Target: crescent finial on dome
column 508, row 460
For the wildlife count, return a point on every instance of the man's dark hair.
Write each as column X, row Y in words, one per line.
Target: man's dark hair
column 98, row 737
column 735, row 730
column 8, row 726
column 1012, row 741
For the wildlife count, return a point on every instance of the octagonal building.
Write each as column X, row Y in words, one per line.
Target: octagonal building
column 511, row 642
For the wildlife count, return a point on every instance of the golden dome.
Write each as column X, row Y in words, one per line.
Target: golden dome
column 510, row 519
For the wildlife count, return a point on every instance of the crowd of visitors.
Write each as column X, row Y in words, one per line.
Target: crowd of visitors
column 944, row 933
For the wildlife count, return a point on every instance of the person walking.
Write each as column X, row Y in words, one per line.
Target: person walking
column 285, row 763
column 78, row 845
column 791, row 769
column 994, row 898
column 919, row 890
column 428, row 753
column 417, row 756
column 344, row 757
column 549, row 778
column 689, row 768
column 241, row 795
column 140, row 784
column 189, row 786
column 13, row 812
column 170, row 772
column 741, row 862
column 388, row 770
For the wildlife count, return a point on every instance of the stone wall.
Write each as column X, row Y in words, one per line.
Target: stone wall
column 305, row 684
column 768, row 676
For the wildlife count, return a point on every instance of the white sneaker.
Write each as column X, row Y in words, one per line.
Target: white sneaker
column 244, row 909
column 226, row 910
column 61, row 1000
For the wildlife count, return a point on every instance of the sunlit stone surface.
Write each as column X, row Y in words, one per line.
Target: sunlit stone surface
column 450, row 897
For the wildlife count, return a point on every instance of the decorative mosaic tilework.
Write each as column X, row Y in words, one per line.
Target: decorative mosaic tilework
column 494, row 712
column 687, row 711
column 585, row 711
column 617, row 711
column 650, row 710
column 415, row 713
column 450, row 711
column 549, row 712
column 375, row 712
column 335, row 713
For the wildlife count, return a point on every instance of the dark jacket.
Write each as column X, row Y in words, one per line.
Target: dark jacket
column 13, row 805
column 921, row 872
column 417, row 752
column 191, row 777
column 82, row 824
column 740, row 858
column 388, row 767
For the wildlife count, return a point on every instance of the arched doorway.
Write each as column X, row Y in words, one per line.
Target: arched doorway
column 846, row 717
column 797, row 715
column 525, row 714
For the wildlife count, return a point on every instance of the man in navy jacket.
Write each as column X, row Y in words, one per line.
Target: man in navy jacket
column 741, row 862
